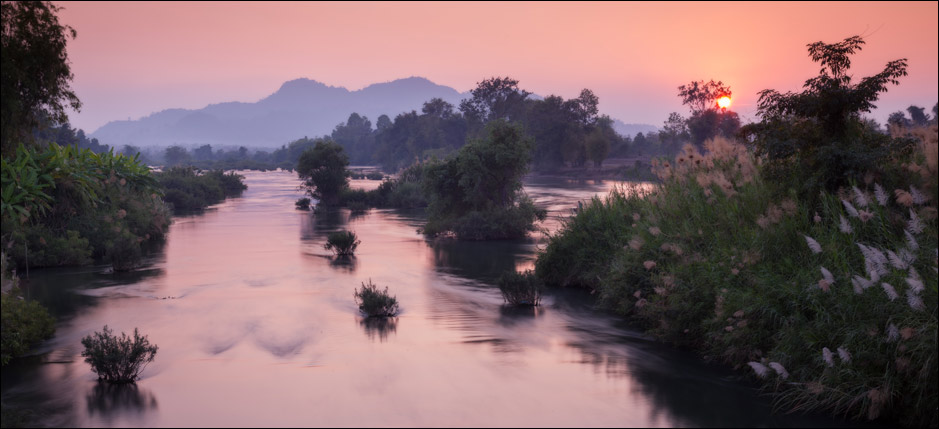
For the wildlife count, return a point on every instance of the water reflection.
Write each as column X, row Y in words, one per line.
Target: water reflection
column 111, row 401
column 379, row 327
column 512, row 315
column 483, row 261
column 344, row 263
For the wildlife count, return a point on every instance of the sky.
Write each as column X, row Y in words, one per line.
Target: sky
column 133, row 59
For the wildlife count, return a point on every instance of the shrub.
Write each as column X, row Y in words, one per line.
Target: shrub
column 124, row 253
column 375, row 303
column 22, row 323
column 117, row 360
column 521, row 288
column 343, row 243
column 303, row 204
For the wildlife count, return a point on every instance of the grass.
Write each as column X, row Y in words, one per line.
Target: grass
column 343, row 243
column 376, row 303
column 719, row 260
column 521, row 288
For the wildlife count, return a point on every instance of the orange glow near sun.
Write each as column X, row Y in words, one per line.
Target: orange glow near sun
column 723, row 102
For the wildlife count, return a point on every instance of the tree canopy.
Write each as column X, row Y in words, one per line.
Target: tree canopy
column 323, row 169
column 36, row 76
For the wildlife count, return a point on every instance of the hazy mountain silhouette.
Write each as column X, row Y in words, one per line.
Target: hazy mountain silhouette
column 631, row 130
column 301, row 107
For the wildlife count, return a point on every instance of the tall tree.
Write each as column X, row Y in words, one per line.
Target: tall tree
column 323, row 170
column 494, row 98
column 36, row 76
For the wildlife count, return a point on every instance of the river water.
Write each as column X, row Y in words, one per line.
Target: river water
column 256, row 326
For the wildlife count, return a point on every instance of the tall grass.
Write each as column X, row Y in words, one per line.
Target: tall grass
column 743, row 270
column 343, row 243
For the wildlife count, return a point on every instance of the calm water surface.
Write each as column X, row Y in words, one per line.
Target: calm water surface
column 256, row 326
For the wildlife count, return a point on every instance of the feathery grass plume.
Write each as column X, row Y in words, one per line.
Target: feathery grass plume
column 903, row 197
column 844, row 226
column 914, row 225
column 893, row 333
column 891, row 292
column 911, row 242
column 649, row 264
column 816, row 218
column 915, row 282
column 896, row 261
column 779, row 369
column 881, row 195
column 844, row 355
column 860, row 198
column 636, row 243
column 863, row 282
column 874, row 259
column 918, row 197
column 829, row 358
column 906, row 257
column 827, row 274
column 759, row 369
column 654, row 230
column 914, row 300
column 865, row 215
column 851, row 210
column 816, row 248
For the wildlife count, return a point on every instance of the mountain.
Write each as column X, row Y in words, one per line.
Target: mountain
column 301, row 107
column 631, row 130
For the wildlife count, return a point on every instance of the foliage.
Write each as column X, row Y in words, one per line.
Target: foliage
column 188, row 189
column 831, row 305
column 375, row 303
column 343, row 243
column 24, row 323
column 323, row 170
column 303, row 204
column 817, row 136
column 118, row 360
column 56, row 199
column 701, row 96
column 521, row 288
column 35, row 71
column 476, row 194
column 496, row 98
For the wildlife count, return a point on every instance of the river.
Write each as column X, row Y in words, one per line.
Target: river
column 256, row 326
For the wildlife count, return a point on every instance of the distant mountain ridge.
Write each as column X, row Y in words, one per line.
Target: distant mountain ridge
column 300, row 107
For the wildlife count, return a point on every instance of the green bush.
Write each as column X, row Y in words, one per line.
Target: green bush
column 521, row 288
column 188, row 189
column 124, row 253
column 375, row 303
column 343, row 243
column 25, row 323
column 303, row 204
column 117, row 360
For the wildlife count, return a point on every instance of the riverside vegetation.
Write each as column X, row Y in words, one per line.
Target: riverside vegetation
column 809, row 259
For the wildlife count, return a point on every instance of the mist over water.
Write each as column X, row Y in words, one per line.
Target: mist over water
column 256, row 326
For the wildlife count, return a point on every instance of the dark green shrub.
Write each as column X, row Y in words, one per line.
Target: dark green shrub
column 24, row 323
column 124, row 253
column 303, row 204
column 342, row 242
column 521, row 288
column 375, row 303
column 117, row 360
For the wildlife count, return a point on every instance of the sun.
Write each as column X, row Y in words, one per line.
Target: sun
column 723, row 102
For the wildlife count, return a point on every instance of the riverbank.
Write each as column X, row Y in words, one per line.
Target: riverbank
column 831, row 304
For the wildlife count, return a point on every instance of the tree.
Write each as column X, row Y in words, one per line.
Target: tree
column 918, row 115
column 323, row 169
column 494, row 98
column 176, row 155
column 36, row 76
column 817, row 138
column 203, row 153
column 476, row 194
column 597, row 147
column 700, row 96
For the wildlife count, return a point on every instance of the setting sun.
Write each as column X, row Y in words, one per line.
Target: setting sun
column 723, row 102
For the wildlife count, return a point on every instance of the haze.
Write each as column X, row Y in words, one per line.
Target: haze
column 633, row 56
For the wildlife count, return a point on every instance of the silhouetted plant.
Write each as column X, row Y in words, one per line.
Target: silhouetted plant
column 342, row 242
column 521, row 288
column 303, row 204
column 375, row 303
column 358, row 207
column 117, row 360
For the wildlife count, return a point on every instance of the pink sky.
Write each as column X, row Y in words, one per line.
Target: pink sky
column 133, row 59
